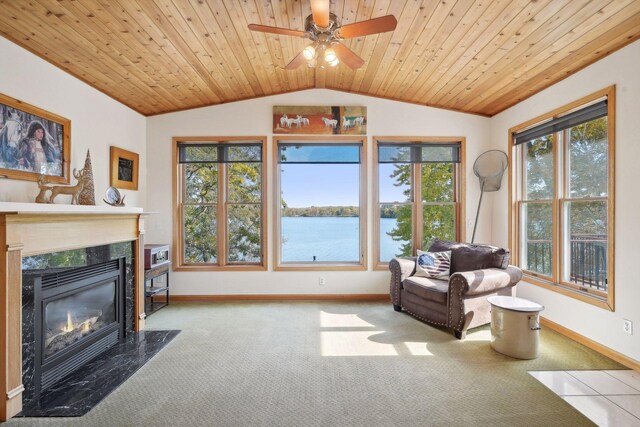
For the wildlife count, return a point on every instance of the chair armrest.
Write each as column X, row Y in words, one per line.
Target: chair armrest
column 472, row 283
column 485, row 281
column 401, row 268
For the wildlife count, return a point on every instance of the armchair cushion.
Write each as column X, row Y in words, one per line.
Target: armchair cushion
column 433, row 265
column 429, row 289
column 469, row 257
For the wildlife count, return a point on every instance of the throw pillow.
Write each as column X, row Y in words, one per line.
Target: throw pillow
column 433, row 265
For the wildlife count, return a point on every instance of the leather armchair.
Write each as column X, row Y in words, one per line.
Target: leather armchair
column 459, row 303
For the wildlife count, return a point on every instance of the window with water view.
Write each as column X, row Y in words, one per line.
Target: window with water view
column 320, row 200
column 221, row 203
column 563, row 199
column 418, row 195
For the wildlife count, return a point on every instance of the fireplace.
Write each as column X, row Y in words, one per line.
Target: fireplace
column 78, row 314
column 56, row 234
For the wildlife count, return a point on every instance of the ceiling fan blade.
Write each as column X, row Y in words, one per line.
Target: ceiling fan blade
column 347, row 56
column 371, row 26
column 296, row 62
column 320, row 12
column 276, row 30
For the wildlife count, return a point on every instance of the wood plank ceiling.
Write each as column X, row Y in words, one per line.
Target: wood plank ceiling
column 477, row 56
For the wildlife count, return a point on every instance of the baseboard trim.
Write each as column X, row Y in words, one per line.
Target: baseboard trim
column 283, row 297
column 587, row 342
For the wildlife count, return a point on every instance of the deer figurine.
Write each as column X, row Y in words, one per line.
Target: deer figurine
column 73, row 190
column 42, row 185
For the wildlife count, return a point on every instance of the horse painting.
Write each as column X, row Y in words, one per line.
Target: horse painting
column 319, row 120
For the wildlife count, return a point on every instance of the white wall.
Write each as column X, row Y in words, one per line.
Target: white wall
column 253, row 117
column 97, row 121
column 603, row 326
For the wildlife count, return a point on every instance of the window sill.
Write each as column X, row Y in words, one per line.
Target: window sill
column 211, row 267
column 584, row 296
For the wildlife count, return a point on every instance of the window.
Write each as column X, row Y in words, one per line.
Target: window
column 563, row 195
column 320, row 203
column 219, row 206
column 418, row 195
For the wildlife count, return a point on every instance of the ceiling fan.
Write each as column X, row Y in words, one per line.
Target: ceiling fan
column 324, row 29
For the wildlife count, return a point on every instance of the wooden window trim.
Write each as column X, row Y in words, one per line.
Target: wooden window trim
column 593, row 297
column 362, row 265
column 178, row 263
column 459, row 192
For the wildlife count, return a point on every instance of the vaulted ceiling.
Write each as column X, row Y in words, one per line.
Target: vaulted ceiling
column 477, row 56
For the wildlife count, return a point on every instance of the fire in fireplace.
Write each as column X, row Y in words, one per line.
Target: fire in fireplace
column 79, row 314
column 69, row 319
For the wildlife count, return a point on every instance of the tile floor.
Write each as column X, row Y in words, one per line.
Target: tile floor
column 608, row 398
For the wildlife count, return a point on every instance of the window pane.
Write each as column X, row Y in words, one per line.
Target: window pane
column 585, row 243
column 395, row 231
column 200, row 236
column 394, row 154
column 310, row 153
column 243, row 153
column 539, row 168
column 588, row 151
column 439, row 223
column 198, row 153
column 537, row 237
column 394, row 182
column 437, row 182
column 440, row 154
column 419, row 153
column 320, row 215
column 244, row 182
column 201, row 182
column 244, row 233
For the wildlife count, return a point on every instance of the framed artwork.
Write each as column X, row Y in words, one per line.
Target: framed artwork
column 124, row 169
column 33, row 142
column 319, row 120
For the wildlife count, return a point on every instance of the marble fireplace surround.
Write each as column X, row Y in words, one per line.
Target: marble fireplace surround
column 28, row 229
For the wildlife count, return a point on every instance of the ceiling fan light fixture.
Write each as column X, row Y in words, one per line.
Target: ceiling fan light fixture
column 309, row 53
column 326, row 33
column 330, row 56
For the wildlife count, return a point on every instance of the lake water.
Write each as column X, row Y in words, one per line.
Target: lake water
column 330, row 239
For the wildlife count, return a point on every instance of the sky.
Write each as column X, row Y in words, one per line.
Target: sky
column 305, row 185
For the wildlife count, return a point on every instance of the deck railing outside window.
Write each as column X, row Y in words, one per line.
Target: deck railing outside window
column 588, row 265
column 589, row 260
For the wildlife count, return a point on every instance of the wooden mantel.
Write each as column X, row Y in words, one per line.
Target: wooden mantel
column 31, row 229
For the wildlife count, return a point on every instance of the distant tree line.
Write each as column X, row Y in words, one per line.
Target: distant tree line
column 336, row 211
column 346, row 211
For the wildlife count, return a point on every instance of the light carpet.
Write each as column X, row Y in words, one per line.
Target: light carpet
column 332, row 364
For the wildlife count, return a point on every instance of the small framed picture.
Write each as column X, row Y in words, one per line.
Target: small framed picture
column 33, row 142
column 124, row 169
